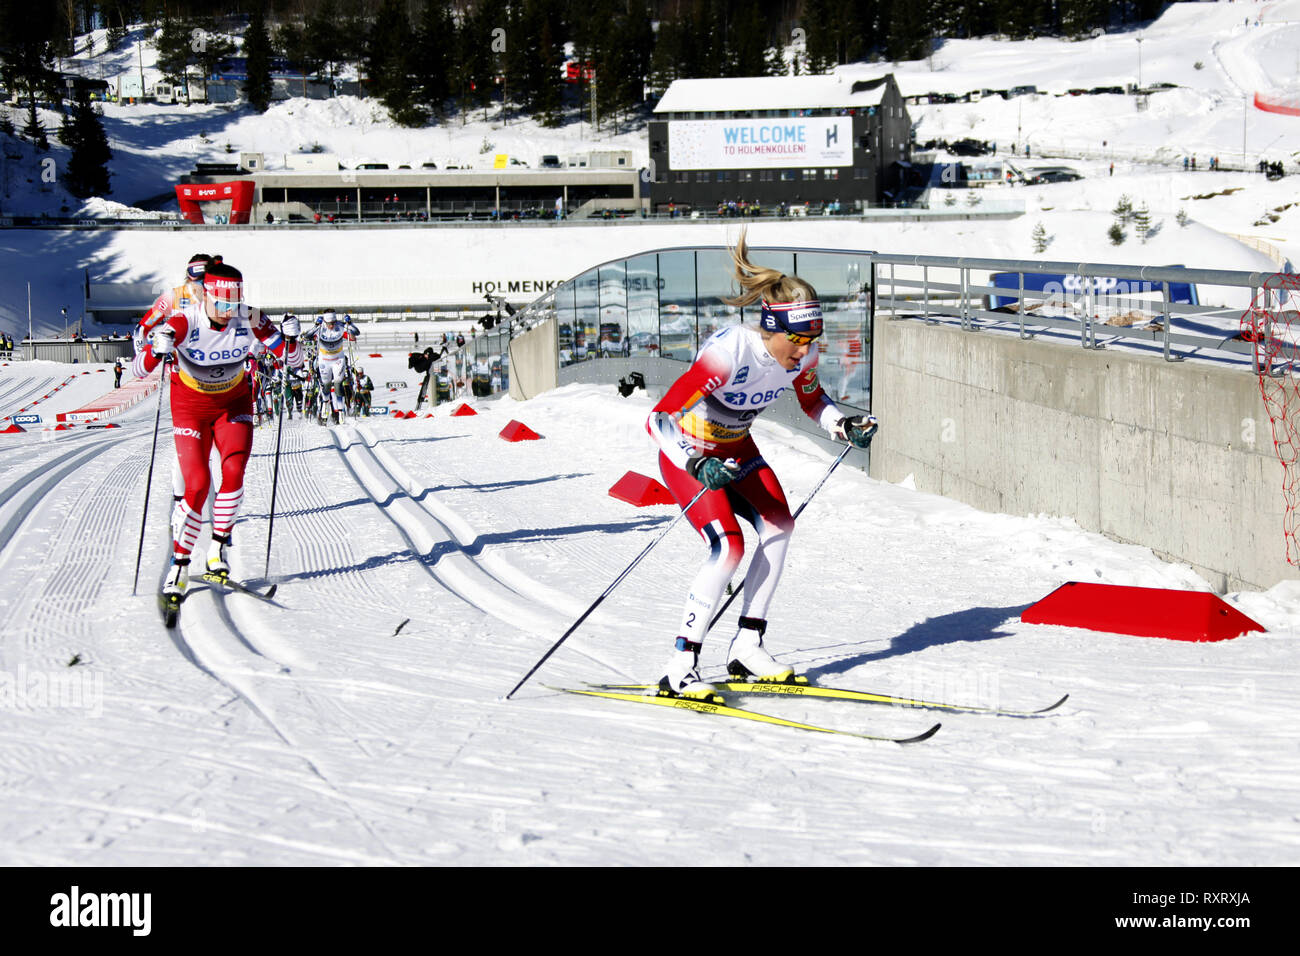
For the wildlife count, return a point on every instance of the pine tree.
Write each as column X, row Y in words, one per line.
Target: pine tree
column 749, row 40
column 87, row 173
column 1182, row 218
column 1142, row 222
column 34, row 131
column 908, row 30
column 774, row 61
column 175, row 53
column 26, row 42
column 435, row 36
column 1040, row 239
column 388, row 62
column 667, row 57
column 257, row 51
column 325, row 40
column 822, row 35
column 548, row 103
column 1116, row 234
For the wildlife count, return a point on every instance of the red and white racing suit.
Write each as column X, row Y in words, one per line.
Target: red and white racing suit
column 173, row 300
column 212, row 404
column 711, row 408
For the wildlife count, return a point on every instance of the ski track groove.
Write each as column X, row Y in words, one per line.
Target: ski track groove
column 455, row 569
column 310, row 527
column 460, row 528
column 81, row 549
column 22, row 390
column 214, row 643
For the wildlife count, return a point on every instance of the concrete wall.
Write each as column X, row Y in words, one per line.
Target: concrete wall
column 533, row 361
column 1177, row 457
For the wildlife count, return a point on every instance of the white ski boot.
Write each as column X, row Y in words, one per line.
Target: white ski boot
column 747, row 659
column 178, row 576
column 218, row 559
column 682, row 675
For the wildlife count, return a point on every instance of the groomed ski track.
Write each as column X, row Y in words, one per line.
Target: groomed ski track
column 423, row 566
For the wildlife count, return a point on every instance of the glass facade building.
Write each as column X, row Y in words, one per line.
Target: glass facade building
column 664, row 304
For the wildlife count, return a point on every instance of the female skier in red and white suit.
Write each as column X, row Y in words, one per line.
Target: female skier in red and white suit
column 701, row 426
column 212, row 404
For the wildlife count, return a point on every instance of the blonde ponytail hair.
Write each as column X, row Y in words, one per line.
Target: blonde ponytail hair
column 762, row 282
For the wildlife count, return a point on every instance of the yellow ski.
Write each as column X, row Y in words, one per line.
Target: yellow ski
column 723, row 710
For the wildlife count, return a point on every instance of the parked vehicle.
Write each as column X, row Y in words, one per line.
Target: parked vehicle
column 1054, row 176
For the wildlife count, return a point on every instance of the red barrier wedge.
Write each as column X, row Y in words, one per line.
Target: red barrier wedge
column 641, row 491
column 1142, row 612
column 518, row 431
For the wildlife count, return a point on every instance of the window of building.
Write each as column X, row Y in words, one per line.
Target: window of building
column 830, row 174
column 787, row 175
column 701, row 177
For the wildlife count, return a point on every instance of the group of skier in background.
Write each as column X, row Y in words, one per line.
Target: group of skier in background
column 281, row 390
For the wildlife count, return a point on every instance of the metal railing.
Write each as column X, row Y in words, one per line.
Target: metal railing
column 1096, row 304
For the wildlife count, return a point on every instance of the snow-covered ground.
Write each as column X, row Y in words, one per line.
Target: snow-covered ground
column 425, row 565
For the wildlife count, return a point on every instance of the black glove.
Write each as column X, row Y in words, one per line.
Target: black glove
column 857, row 430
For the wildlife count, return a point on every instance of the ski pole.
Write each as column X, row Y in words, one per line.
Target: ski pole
column 817, row 487
column 626, row 571
column 275, row 482
column 148, row 483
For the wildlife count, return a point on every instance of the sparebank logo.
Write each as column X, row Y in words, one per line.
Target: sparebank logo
column 76, row 909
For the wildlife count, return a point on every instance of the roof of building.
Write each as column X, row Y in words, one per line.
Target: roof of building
column 772, row 93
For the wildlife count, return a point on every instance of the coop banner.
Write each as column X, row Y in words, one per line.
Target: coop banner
column 1075, row 286
column 761, row 143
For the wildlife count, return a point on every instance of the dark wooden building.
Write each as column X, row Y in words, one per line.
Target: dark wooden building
column 823, row 141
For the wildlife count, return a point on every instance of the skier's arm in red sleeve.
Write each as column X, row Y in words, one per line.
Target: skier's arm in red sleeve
column 145, row 361
column 271, row 339
column 814, row 401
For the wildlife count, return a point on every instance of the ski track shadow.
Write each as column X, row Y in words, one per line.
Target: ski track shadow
column 486, row 486
column 532, row 535
column 415, row 441
column 521, row 482
column 285, row 453
column 473, row 549
column 369, row 564
column 971, row 624
column 318, row 509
